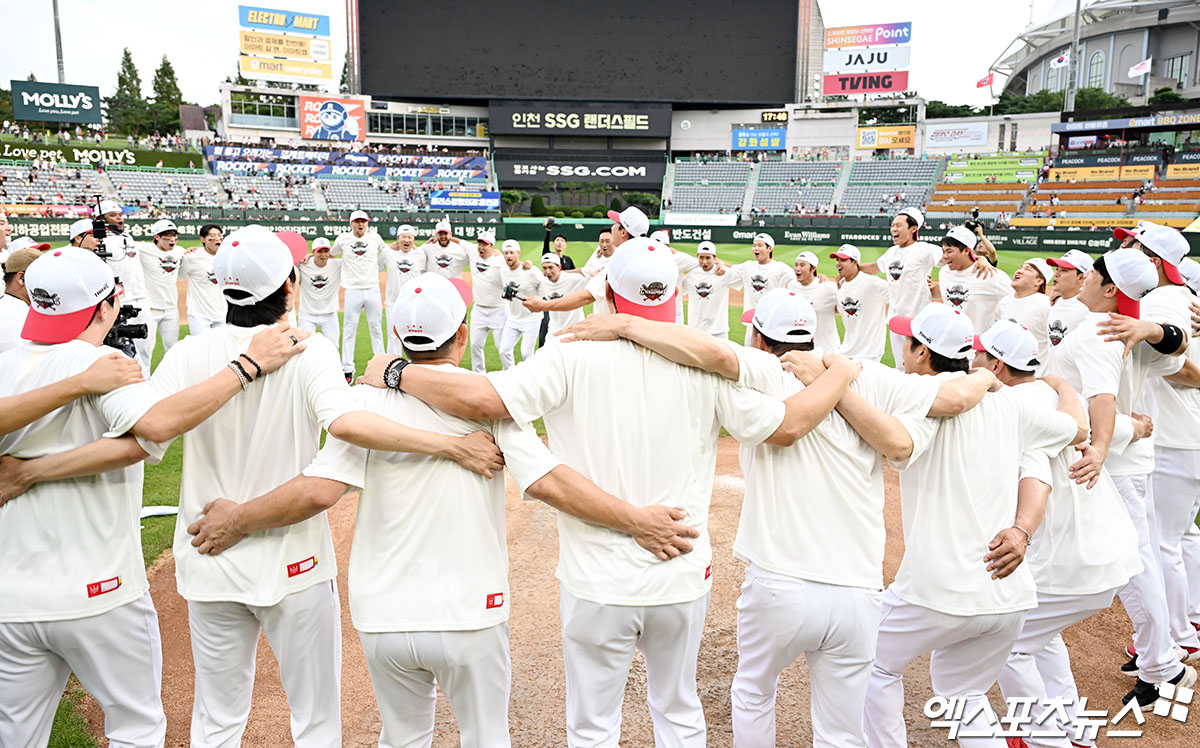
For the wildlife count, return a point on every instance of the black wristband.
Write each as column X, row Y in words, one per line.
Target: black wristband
column 1171, row 340
column 242, row 369
column 257, row 368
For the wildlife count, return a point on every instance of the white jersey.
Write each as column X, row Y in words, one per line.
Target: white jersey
column 645, row 430
column 524, row 283
column 978, row 298
column 72, row 548
column 1087, row 543
column 486, row 286
column 1033, row 313
column 238, row 454
column 319, row 286
column 204, row 297
column 429, row 550
column 596, row 287
column 863, row 304
column 755, row 279
column 595, row 263
column 160, row 270
column 1175, row 410
column 1063, row 317
column 362, row 259
column 823, row 297
column 450, row 260
column 550, row 290
column 126, row 266
column 906, row 270
column 830, row 472
column 402, row 267
column 13, row 312
column 708, row 299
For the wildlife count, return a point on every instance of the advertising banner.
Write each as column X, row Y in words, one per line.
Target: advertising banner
column 864, row 83
column 868, row 36
column 1144, row 158
column 891, row 136
column 1187, row 157
column 1086, row 173
column 1179, row 171
column 456, row 200
column 620, row 171
column 1107, row 159
column 1082, row 141
column 281, row 45
column 403, row 173
column 555, row 118
column 53, row 102
column 285, row 71
column 1137, row 172
column 977, row 164
column 100, row 155
column 862, row 60
column 284, row 46
column 251, row 17
column 340, row 158
column 323, row 118
column 759, row 139
column 1167, row 119
column 960, row 134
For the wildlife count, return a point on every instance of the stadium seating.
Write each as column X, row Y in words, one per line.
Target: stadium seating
column 710, row 199
column 784, row 199
column 169, row 189
column 721, row 172
column 815, row 172
column 989, row 198
column 265, row 192
column 355, row 194
column 48, row 185
column 872, row 183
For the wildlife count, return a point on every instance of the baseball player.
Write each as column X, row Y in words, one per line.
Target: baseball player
column 1190, row 546
column 944, row 599
column 160, row 260
column 122, row 258
column 555, row 284
column 862, row 300
column 519, row 283
column 756, row 277
column 657, row 607
column 823, row 298
column 404, row 261
column 449, row 628
column 556, row 247
column 82, row 236
column 708, row 293
column 320, row 279
column 362, row 258
column 14, row 303
column 1066, row 310
column 960, row 288
column 447, row 255
column 489, row 314
column 88, row 609
column 602, row 254
column 1029, row 306
column 206, row 306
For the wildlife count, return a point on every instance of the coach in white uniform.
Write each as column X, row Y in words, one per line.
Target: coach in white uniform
column 1029, row 306
column 862, row 300
column 123, row 260
column 404, row 261
column 205, row 305
column 555, row 284
column 601, row 255
column 320, row 280
column 763, row 273
column 489, row 314
column 1066, row 310
column 160, row 262
column 822, row 297
column 708, row 293
column 447, row 255
column 361, row 253
column 961, row 289
column 518, row 283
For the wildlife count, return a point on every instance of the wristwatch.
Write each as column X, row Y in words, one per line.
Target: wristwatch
column 391, row 374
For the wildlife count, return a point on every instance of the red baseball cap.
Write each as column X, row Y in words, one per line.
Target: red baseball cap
column 643, row 277
column 64, row 288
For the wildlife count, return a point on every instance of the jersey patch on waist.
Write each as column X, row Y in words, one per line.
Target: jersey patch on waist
column 104, row 586
column 301, row 567
column 495, row 600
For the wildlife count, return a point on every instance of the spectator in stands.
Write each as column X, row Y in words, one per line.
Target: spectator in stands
column 1053, row 199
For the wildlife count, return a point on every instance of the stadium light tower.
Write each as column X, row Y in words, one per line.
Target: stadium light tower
column 62, row 76
column 1072, row 64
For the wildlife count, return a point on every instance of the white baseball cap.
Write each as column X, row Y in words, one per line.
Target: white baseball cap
column 1072, row 259
column 24, row 242
column 162, row 226
column 963, row 236
column 765, row 239
column 1123, row 233
column 662, row 236
column 1042, row 267
column 1134, row 275
column 510, row 244
column 442, row 226
column 552, row 258
column 643, row 277
column 487, row 237
column 406, row 229
column 321, row 243
column 108, row 206
column 915, row 214
column 1190, row 270
column 847, row 252
column 1169, row 245
column 64, row 288
column 809, row 257
column 943, row 330
column 633, row 219
column 429, row 310
column 707, row 248
column 783, row 316
column 80, row 227
column 359, row 214
column 254, row 260
column 1011, row 343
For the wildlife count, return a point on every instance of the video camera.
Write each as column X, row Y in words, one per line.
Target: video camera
column 122, row 334
column 511, row 292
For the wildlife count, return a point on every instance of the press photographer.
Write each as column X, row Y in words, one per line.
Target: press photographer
column 120, row 251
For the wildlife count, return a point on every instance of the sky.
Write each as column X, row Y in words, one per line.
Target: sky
column 954, row 42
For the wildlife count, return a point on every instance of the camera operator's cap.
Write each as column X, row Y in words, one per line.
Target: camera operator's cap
column 108, row 206
column 1134, row 276
column 512, row 244
column 1190, row 270
column 162, row 226
column 1123, row 233
column 429, row 310
column 406, row 229
column 963, row 236
column 662, row 236
column 442, row 226
column 633, row 219
column 487, row 237
column 1042, row 267
column 810, row 258
column 915, row 214
column 707, row 248
column 643, row 277
column 766, row 239
column 847, row 252
column 551, row 258
column 784, row 316
column 20, row 259
column 1011, row 343
column 1072, row 259
column 356, row 215
column 944, row 331
column 24, row 242
column 254, row 260
column 1169, row 245
column 321, row 243
column 81, row 227
column 64, row 288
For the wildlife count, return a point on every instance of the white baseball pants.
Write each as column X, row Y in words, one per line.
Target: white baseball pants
column 484, row 320
column 355, row 301
column 165, row 324
column 898, row 343
column 304, row 630
column 1176, row 492
column 968, row 654
column 1022, row 674
column 1144, row 598
column 598, row 645
column 117, row 656
column 327, row 323
column 471, row 667
column 781, row 618
column 198, row 324
column 527, row 332
column 1191, row 561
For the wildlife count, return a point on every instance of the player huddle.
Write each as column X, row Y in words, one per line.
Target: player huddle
column 1046, row 447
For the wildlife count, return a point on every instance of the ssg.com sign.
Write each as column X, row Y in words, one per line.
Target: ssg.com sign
column 54, row 102
column 520, row 171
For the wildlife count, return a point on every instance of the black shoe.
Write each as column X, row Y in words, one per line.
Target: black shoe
column 1145, row 693
column 1131, row 668
column 349, row 377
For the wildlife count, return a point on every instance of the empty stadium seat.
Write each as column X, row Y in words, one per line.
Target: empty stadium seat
column 165, row 189
column 48, row 186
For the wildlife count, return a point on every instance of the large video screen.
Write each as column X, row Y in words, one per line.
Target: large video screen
column 700, row 51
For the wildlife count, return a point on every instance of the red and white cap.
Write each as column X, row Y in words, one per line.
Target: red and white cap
column 406, row 229
column 321, row 243
column 162, row 226
column 765, row 238
column 1011, row 343
column 1134, row 276
column 943, row 330
column 296, row 244
column 1042, row 267
column 963, row 236
column 429, row 310
column 254, row 260
column 80, row 227
column 915, row 214
column 487, row 237
column 633, row 219
column 64, row 288
column 359, row 214
column 783, row 316
column 1123, row 233
column 643, row 278
column 706, row 248
column 551, row 258
column 662, row 236
column 24, row 242
column 847, row 252
column 809, row 257
column 1190, row 270
column 1169, row 245
column 442, row 226
column 1073, row 259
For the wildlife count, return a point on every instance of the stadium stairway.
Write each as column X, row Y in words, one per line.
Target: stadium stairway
column 840, row 188
column 668, row 188
column 751, row 188
column 107, row 187
column 319, row 199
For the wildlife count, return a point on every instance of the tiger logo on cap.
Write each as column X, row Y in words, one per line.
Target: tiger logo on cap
column 44, row 299
column 653, row 291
